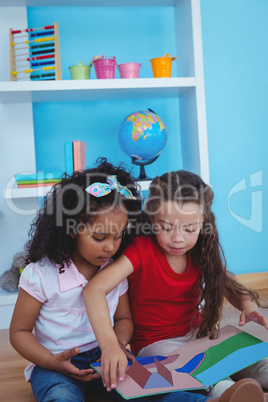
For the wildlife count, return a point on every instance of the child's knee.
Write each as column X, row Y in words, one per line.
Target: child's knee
column 218, row 389
column 258, row 371
column 62, row 393
column 52, row 386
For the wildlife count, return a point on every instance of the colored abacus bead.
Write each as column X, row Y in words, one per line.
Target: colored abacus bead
column 49, row 56
column 46, row 40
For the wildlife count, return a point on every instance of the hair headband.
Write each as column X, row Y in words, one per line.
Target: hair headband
column 102, row 189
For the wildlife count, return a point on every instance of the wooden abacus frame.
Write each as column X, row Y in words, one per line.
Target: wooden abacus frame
column 53, row 54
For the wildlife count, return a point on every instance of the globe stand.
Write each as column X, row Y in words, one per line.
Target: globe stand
column 137, row 162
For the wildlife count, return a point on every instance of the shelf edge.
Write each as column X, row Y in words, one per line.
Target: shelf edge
column 36, row 192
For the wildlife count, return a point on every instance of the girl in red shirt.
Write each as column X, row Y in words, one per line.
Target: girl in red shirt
column 177, row 279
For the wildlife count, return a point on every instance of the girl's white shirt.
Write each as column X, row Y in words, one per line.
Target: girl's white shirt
column 63, row 323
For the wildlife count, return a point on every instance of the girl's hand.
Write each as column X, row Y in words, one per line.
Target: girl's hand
column 113, row 362
column 62, row 364
column 252, row 314
column 129, row 355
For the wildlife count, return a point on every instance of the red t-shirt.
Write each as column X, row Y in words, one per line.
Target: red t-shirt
column 163, row 302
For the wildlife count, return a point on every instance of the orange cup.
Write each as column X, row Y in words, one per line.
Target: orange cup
column 161, row 66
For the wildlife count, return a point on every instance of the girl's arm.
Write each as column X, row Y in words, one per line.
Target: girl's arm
column 123, row 324
column 112, row 357
column 123, row 328
column 26, row 311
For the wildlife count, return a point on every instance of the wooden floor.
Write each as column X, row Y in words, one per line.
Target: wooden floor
column 14, row 388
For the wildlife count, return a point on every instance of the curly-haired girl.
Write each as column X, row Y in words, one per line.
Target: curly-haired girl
column 177, row 277
column 74, row 235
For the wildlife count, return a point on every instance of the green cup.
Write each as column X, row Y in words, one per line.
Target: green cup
column 80, row 71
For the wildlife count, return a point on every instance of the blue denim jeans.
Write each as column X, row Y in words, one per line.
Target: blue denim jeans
column 51, row 386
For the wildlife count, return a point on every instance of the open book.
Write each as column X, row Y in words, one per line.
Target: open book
column 196, row 365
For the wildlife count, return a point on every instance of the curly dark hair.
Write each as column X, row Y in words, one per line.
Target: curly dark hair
column 68, row 205
column 216, row 281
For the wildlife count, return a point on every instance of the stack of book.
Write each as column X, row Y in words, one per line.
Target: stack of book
column 75, row 156
column 39, row 179
column 75, row 159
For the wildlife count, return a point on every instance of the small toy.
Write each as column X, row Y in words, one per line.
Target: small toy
column 129, row 70
column 40, row 57
column 9, row 280
column 161, row 66
column 142, row 135
column 81, row 71
column 104, row 66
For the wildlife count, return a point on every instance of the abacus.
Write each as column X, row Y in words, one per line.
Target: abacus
column 40, row 58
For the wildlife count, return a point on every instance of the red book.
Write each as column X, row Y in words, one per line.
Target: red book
column 35, row 185
column 79, row 155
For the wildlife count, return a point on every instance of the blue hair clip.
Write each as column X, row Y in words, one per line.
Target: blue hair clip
column 102, row 189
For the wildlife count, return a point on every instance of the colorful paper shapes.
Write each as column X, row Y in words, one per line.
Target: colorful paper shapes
column 145, row 379
column 196, row 365
column 193, row 364
column 139, row 374
column 163, row 371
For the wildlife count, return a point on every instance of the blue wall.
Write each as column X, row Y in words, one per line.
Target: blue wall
column 235, row 66
column 235, row 49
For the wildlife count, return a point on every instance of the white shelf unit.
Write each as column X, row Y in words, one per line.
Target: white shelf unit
column 88, row 90
column 90, row 3
column 16, row 98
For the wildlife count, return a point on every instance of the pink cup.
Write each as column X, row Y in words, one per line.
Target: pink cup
column 105, row 68
column 129, row 70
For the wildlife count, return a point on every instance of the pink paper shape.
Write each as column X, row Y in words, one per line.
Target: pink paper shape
column 139, row 374
column 163, row 371
column 156, row 381
column 165, row 362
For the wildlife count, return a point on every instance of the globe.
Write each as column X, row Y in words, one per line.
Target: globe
column 142, row 135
